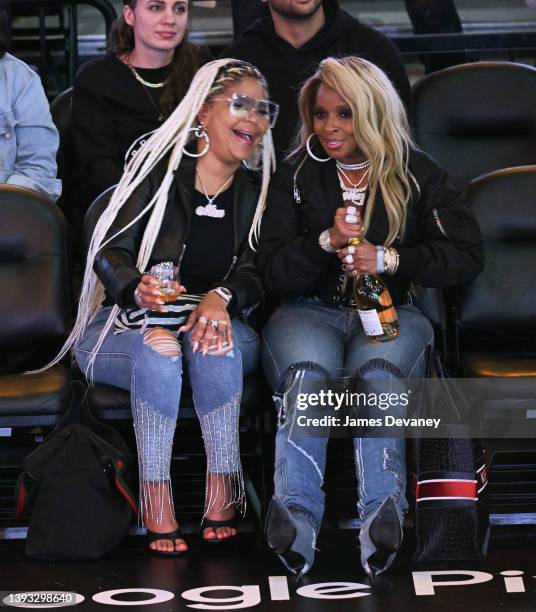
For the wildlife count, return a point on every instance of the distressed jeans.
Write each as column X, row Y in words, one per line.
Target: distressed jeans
column 307, row 340
column 155, row 383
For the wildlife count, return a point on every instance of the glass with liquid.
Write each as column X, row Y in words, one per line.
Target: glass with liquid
column 167, row 273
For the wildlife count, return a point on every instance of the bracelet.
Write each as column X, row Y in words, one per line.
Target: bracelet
column 392, row 259
column 380, row 259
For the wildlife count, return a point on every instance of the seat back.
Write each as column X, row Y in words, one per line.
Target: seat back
column 61, row 110
column 500, row 304
column 34, row 308
column 477, row 118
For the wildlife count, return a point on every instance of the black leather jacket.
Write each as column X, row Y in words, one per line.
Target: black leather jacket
column 442, row 243
column 115, row 264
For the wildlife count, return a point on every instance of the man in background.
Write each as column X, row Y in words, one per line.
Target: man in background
column 288, row 45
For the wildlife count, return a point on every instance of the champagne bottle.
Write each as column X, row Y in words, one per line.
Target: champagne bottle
column 375, row 306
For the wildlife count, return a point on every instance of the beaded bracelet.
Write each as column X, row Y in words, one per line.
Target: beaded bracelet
column 380, row 259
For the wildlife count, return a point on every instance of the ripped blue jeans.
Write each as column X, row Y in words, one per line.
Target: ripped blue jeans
column 306, row 339
column 154, row 379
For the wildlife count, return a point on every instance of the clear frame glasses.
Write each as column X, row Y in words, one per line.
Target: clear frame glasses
column 241, row 107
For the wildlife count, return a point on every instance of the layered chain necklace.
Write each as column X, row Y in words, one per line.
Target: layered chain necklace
column 210, row 209
column 353, row 194
column 146, row 84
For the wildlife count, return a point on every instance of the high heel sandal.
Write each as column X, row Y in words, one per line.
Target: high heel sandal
column 209, row 523
column 153, row 536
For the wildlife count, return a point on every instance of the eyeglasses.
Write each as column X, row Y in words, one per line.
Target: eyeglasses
column 241, row 107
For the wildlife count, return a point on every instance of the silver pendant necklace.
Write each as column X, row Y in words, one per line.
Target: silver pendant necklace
column 354, row 194
column 210, row 209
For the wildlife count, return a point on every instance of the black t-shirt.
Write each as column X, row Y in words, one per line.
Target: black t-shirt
column 209, row 244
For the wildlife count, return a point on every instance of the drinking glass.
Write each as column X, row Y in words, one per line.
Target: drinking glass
column 167, row 274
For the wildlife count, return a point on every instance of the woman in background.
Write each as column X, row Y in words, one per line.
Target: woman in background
column 131, row 91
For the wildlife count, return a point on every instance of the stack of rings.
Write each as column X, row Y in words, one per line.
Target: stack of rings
column 216, row 322
column 348, row 265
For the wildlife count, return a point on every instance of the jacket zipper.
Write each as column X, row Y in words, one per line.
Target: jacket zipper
column 296, row 189
column 230, row 267
column 439, row 224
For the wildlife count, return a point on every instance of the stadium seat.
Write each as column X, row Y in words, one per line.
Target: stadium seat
column 34, row 309
column 476, row 118
column 496, row 329
column 61, row 110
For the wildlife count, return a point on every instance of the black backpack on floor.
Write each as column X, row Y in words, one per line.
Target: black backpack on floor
column 82, row 505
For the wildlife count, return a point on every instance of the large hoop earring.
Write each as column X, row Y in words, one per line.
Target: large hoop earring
column 254, row 163
column 199, row 132
column 308, row 147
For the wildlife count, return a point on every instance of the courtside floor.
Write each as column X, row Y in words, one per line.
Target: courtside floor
column 246, row 575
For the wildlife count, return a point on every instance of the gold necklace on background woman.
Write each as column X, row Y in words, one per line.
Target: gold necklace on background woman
column 145, row 84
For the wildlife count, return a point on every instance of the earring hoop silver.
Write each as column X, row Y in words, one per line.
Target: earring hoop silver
column 308, row 147
column 199, row 132
column 254, row 163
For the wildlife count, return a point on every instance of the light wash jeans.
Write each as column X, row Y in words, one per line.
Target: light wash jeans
column 306, row 339
column 155, row 382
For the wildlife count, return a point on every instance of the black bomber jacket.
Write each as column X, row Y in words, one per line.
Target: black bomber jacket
column 115, row 264
column 442, row 244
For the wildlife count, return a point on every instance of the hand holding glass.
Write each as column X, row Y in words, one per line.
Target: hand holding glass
column 167, row 274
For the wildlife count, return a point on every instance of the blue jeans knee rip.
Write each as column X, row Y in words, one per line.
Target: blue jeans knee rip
column 392, row 463
column 293, row 377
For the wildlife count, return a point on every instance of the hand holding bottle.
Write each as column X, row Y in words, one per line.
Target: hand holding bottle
column 346, row 225
column 361, row 256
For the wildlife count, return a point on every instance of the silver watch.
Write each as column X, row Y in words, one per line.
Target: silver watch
column 324, row 240
column 224, row 293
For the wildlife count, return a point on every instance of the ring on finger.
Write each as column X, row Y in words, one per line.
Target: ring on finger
column 203, row 320
column 351, row 218
column 355, row 273
column 350, row 249
column 349, row 259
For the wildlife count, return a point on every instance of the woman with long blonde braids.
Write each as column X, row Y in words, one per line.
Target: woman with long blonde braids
column 355, row 174
column 185, row 200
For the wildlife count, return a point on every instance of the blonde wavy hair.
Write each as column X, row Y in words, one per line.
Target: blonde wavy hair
column 168, row 140
column 380, row 127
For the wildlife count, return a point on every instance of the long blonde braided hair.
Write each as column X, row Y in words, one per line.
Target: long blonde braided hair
column 171, row 137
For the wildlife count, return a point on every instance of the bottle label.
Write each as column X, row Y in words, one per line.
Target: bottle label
column 371, row 322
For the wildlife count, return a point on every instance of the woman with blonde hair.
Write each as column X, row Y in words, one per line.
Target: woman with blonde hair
column 185, row 200
column 354, row 176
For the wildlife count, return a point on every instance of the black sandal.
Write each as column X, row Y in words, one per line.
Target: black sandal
column 207, row 523
column 153, row 536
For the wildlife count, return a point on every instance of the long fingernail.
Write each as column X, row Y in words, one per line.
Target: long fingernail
column 195, row 346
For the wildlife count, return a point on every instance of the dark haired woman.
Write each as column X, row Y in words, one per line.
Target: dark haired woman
column 129, row 92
